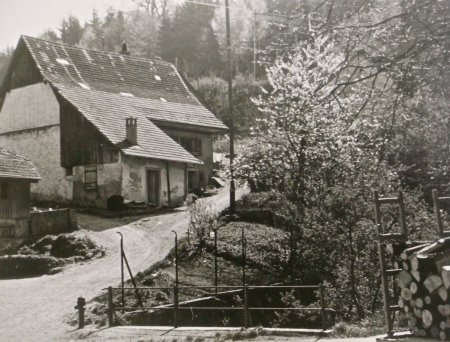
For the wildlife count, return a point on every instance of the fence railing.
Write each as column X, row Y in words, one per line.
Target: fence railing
column 245, row 307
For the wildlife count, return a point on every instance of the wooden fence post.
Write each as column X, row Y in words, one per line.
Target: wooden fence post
column 81, row 307
column 245, row 306
column 110, row 307
column 175, row 306
column 322, row 307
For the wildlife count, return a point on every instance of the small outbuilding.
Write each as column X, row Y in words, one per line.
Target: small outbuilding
column 16, row 174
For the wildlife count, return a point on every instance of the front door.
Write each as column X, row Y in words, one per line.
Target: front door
column 193, row 181
column 153, row 187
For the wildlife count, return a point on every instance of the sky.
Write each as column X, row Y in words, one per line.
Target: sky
column 32, row 17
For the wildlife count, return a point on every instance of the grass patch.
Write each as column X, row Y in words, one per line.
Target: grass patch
column 265, row 246
column 370, row 326
column 243, row 334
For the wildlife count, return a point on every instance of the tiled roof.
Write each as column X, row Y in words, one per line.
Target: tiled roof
column 180, row 113
column 15, row 166
column 108, row 111
column 154, row 80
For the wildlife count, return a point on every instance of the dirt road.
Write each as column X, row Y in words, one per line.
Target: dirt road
column 36, row 309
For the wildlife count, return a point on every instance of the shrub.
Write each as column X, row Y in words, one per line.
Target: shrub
column 201, row 223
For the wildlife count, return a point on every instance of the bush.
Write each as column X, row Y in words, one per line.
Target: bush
column 201, row 223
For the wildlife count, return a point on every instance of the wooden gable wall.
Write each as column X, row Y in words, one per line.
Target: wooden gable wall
column 81, row 142
column 23, row 70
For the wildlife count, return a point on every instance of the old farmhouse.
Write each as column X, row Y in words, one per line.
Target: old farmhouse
column 98, row 124
column 16, row 174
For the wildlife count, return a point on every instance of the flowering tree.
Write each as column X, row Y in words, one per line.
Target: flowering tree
column 346, row 105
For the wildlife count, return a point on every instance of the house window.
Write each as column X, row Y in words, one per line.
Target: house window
column 192, row 145
column 4, row 190
column 90, row 177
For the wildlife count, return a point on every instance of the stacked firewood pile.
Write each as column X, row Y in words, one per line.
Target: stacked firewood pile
column 424, row 289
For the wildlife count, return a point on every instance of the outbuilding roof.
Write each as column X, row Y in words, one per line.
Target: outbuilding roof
column 15, row 166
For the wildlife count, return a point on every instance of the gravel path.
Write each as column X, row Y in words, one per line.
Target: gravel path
column 37, row 309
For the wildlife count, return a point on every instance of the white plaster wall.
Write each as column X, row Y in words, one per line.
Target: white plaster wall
column 29, row 126
column 207, row 150
column 42, row 146
column 134, row 179
column 29, row 107
column 109, row 183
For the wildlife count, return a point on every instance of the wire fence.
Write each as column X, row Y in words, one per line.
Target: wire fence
column 245, row 308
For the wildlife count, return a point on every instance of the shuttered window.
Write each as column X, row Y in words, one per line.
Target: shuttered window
column 90, row 177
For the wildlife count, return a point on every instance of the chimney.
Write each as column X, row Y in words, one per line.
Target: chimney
column 125, row 49
column 131, row 126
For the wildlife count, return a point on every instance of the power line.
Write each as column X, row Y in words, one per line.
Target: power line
column 210, row 5
column 236, row 8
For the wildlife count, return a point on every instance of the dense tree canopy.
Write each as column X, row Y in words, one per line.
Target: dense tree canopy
column 358, row 101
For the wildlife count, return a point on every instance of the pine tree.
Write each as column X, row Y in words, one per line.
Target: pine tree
column 189, row 32
column 71, row 30
column 142, row 34
column 49, row 35
column 93, row 34
column 209, row 59
column 115, row 30
column 166, row 40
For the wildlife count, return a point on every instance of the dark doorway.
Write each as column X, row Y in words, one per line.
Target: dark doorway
column 153, row 187
column 193, row 181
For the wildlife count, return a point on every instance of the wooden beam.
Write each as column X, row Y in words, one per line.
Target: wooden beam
column 168, row 183
column 388, row 200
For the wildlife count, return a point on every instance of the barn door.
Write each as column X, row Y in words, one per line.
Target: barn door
column 153, row 187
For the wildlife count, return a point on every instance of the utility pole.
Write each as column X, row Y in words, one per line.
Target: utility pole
column 254, row 43
column 230, row 106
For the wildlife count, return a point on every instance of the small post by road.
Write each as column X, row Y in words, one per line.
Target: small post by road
column 245, row 306
column 215, row 259
column 110, row 307
column 175, row 289
column 243, row 257
column 213, row 235
column 122, row 269
column 81, row 307
column 176, row 258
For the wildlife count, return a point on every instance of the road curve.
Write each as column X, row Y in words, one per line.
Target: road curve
column 37, row 309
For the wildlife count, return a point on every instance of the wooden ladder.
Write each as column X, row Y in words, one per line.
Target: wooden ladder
column 383, row 239
column 436, row 201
